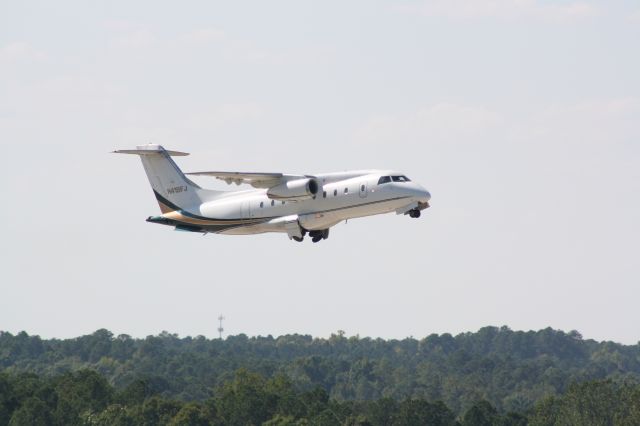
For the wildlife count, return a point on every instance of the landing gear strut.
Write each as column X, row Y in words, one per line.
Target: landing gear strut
column 300, row 238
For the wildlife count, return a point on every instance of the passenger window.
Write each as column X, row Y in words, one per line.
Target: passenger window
column 335, row 192
column 283, row 203
column 346, row 190
column 261, row 204
column 273, row 202
column 384, row 179
column 324, row 194
column 362, row 188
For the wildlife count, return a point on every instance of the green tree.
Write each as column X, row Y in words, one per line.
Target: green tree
column 546, row 412
column 192, row 414
column 591, row 403
column 79, row 394
column 32, row 412
column 418, row 411
column 113, row 415
column 383, row 411
column 513, row 419
column 245, row 400
column 7, row 401
column 135, row 392
column 280, row 420
column 482, row 413
column 156, row 411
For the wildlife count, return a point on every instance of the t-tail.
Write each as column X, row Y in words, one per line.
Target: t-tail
column 173, row 190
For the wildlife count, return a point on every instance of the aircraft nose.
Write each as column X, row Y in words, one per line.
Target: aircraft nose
column 422, row 195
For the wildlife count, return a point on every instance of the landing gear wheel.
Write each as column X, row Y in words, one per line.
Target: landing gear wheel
column 319, row 234
column 414, row 214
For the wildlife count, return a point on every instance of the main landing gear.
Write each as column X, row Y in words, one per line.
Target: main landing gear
column 415, row 213
column 316, row 236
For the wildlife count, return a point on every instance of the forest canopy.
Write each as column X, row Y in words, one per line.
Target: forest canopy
column 493, row 372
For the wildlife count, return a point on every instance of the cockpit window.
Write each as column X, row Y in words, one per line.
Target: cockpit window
column 384, row 179
column 400, row 178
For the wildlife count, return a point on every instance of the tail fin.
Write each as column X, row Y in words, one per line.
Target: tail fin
column 173, row 190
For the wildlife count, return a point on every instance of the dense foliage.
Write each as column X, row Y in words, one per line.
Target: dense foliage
column 86, row 398
column 508, row 369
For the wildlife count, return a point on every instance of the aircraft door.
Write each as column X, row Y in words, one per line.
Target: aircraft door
column 363, row 190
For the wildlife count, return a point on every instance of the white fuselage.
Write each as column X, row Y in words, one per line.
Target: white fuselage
column 341, row 197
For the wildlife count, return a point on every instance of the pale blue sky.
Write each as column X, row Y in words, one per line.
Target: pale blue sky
column 521, row 117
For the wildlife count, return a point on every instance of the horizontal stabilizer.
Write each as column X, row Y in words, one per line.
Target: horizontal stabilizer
column 149, row 151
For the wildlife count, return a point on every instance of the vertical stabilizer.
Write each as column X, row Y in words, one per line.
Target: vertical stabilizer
column 173, row 190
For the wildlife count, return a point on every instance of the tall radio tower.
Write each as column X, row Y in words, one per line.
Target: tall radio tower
column 220, row 329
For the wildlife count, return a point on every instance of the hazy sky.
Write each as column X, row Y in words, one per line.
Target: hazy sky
column 521, row 117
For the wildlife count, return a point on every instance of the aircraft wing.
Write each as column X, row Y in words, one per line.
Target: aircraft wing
column 257, row 180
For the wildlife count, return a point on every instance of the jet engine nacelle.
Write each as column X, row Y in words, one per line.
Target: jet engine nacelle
column 295, row 189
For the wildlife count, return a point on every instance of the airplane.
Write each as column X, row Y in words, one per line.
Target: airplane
column 293, row 204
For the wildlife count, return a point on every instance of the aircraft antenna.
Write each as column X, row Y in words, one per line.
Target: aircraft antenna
column 220, row 328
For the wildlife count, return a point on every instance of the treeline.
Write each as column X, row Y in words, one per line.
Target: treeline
column 512, row 370
column 86, row 398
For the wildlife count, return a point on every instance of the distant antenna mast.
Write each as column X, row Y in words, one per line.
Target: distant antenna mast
column 220, row 329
